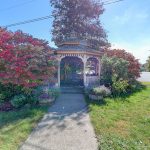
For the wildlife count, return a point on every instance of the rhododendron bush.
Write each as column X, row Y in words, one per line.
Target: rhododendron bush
column 24, row 60
column 134, row 65
column 119, row 72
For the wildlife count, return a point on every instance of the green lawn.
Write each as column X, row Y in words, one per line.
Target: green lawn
column 123, row 124
column 15, row 126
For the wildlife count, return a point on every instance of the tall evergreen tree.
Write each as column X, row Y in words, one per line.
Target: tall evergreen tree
column 81, row 17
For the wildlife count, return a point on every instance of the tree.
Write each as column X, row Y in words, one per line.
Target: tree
column 80, row 17
column 134, row 65
column 143, row 67
column 24, row 60
column 148, row 64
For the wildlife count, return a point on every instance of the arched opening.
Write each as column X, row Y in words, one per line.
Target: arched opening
column 92, row 67
column 71, row 71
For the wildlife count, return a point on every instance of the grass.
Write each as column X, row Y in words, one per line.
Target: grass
column 146, row 83
column 15, row 126
column 123, row 123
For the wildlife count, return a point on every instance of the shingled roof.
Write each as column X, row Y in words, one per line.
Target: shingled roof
column 74, row 44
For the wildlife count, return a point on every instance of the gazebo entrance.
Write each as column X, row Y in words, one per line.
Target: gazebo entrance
column 71, row 71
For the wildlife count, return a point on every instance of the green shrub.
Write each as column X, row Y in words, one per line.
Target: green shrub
column 8, row 91
column 54, row 92
column 135, row 86
column 111, row 66
column 32, row 100
column 32, row 95
column 19, row 95
column 18, row 101
column 115, row 74
column 5, row 93
column 37, row 92
column 119, row 87
column 101, row 91
column 2, row 98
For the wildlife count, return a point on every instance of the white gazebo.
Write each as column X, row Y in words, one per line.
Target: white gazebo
column 91, row 59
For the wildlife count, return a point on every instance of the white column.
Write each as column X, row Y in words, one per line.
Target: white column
column 84, row 69
column 58, row 73
column 99, row 67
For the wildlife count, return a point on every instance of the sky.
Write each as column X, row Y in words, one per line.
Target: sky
column 127, row 23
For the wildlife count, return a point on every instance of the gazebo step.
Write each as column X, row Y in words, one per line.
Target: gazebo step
column 72, row 90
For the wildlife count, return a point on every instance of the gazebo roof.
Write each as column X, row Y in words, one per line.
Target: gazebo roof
column 75, row 44
column 74, row 47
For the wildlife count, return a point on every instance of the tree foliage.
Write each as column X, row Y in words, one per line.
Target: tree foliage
column 80, row 17
column 120, row 71
column 115, row 75
column 134, row 65
column 113, row 68
column 24, row 60
column 147, row 65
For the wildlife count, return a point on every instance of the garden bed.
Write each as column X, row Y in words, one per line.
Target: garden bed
column 17, row 99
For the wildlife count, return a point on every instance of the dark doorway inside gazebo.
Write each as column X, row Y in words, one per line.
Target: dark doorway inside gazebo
column 71, row 72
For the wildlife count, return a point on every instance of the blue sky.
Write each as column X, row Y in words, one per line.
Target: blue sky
column 127, row 23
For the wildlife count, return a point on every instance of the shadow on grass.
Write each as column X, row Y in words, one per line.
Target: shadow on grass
column 64, row 108
column 130, row 92
column 11, row 117
column 95, row 102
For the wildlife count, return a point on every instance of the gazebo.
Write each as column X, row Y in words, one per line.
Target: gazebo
column 78, row 63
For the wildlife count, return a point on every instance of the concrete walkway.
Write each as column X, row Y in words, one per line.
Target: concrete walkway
column 65, row 127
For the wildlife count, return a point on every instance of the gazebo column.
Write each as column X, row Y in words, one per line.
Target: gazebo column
column 99, row 65
column 84, row 71
column 59, row 73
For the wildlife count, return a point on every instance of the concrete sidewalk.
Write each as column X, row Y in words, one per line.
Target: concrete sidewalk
column 65, row 127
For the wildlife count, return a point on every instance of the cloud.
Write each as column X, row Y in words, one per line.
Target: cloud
column 140, row 50
column 131, row 15
column 142, row 16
